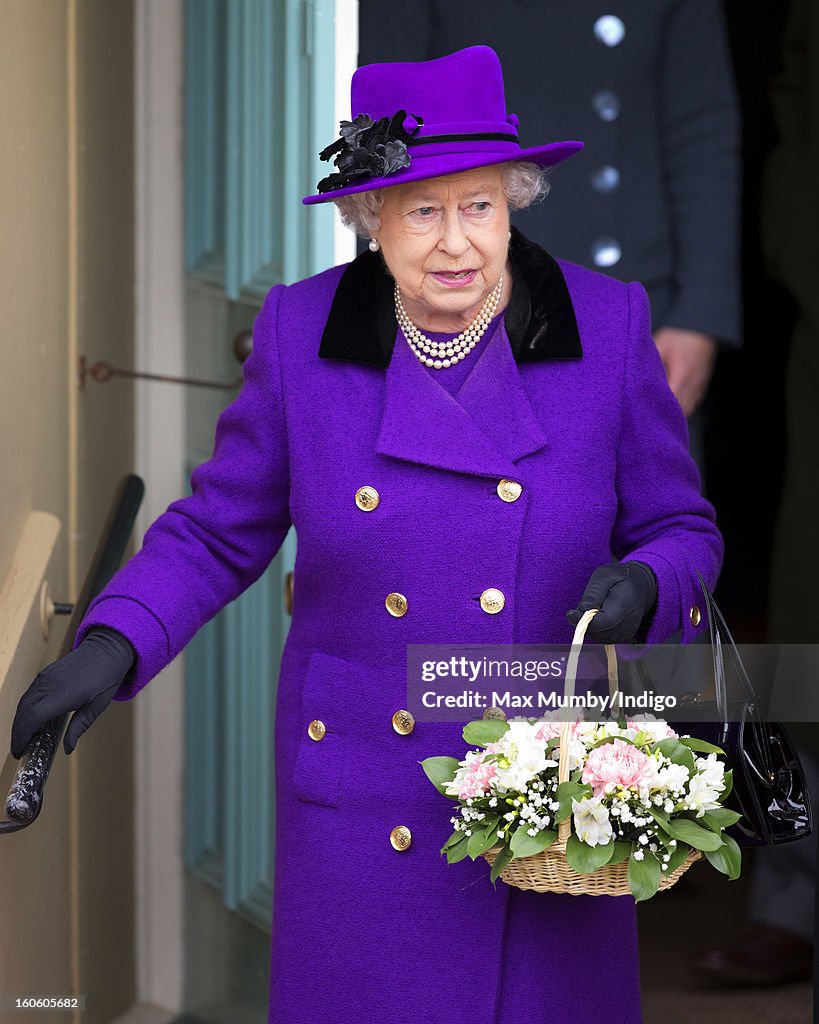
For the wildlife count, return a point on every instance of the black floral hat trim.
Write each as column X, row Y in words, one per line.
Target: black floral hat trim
column 369, row 149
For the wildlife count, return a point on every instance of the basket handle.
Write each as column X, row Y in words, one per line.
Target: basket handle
column 564, row 827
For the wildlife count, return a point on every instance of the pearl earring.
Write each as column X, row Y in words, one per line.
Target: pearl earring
column 375, row 245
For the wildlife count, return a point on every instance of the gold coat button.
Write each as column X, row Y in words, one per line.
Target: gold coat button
column 495, row 714
column 400, row 838
column 396, row 605
column 492, row 601
column 696, row 616
column 509, row 490
column 403, row 722
column 316, row 729
column 367, row 498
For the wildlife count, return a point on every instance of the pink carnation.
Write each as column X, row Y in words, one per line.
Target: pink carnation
column 550, row 730
column 620, row 763
column 476, row 777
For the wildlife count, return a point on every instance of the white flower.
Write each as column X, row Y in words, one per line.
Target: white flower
column 712, row 771
column 656, row 728
column 702, row 797
column 591, row 821
column 638, row 855
column 525, row 754
column 577, row 753
column 609, row 729
column 586, row 732
column 671, row 776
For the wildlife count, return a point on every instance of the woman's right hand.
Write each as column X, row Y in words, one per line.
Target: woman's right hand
column 84, row 681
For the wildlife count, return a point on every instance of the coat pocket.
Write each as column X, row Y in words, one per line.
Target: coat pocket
column 319, row 762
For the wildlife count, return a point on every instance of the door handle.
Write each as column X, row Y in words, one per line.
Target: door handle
column 25, row 796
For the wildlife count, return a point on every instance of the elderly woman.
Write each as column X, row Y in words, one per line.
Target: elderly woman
column 472, row 439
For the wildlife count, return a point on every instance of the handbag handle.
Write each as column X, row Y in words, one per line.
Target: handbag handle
column 721, row 639
column 721, row 636
column 564, row 827
column 719, row 630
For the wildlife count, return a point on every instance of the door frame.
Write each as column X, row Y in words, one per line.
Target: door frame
column 159, row 459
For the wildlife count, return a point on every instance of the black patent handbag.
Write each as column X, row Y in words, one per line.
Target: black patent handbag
column 769, row 786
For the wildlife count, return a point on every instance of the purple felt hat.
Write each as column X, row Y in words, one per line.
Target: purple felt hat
column 421, row 119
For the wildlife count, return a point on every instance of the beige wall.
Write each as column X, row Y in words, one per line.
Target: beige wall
column 66, row 288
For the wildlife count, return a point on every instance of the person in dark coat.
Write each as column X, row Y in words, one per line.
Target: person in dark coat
column 776, row 945
column 655, row 194
column 536, row 466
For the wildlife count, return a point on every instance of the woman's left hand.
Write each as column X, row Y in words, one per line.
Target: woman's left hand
column 625, row 593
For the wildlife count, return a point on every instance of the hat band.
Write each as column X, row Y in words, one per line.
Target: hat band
column 465, row 137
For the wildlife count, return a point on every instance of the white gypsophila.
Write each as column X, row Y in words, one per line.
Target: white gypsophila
column 591, row 821
column 672, row 777
column 701, row 797
column 712, row 771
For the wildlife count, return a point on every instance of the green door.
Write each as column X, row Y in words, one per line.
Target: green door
column 259, row 106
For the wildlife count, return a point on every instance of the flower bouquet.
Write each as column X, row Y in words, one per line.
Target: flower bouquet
column 586, row 807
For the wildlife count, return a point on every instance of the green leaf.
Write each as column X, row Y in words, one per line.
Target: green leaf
column 644, row 876
column 484, row 732
column 729, row 784
column 483, row 839
column 678, row 753
column 611, row 739
column 659, row 815
column 695, row 835
column 721, row 817
column 440, row 771
column 727, row 859
column 565, row 792
column 701, row 746
column 502, row 859
column 621, row 851
column 585, row 858
column 453, row 839
column 524, row 845
column 678, row 855
column 458, row 851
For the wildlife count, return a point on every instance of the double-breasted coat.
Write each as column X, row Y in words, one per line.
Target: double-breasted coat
column 569, row 400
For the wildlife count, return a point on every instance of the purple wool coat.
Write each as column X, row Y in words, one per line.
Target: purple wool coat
column 569, row 399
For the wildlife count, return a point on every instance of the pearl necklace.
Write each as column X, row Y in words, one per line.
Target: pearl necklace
column 441, row 354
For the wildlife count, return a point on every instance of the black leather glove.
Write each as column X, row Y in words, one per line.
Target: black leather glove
column 626, row 594
column 84, row 681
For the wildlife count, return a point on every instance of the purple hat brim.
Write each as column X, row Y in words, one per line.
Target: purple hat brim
column 424, row 167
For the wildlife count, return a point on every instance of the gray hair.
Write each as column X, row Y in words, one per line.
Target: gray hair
column 523, row 184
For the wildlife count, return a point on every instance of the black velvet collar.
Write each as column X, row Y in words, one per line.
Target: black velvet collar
column 539, row 320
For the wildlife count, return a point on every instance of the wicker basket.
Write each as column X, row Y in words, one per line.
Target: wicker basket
column 549, row 871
